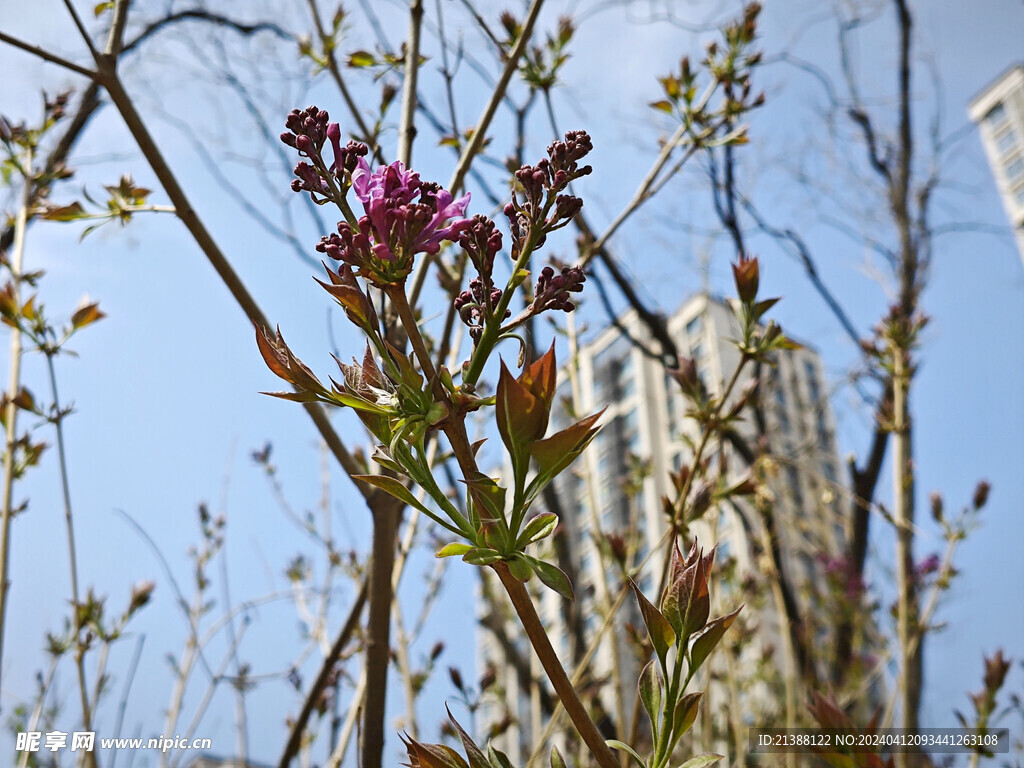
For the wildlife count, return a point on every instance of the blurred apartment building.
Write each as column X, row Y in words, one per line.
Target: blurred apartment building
column 645, row 423
column 999, row 112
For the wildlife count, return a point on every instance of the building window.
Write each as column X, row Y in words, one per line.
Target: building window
column 694, row 328
column 671, row 406
column 812, row 383
column 794, row 486
column 822, row 430
column 1015, row 170
column 1006, row 141
column 996, row 116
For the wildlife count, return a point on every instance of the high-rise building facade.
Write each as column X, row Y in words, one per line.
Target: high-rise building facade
column 999, row 113
column 618, row 484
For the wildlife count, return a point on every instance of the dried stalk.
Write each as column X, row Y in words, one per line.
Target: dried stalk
column 11, row 415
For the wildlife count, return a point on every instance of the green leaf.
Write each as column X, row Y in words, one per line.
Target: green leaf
column 661, row 633
column 434, row 756
column 649, row 687
column 455, row 549
column 552, row 576
column 663, row 106
column 707, row 641
column 295, row 397
column 554, row 454
column 361, row 59
column 481, row 556
column 557, row 761
column 351, row 299
column 497, row 758
column 520, row 568
column 488, row 496
column 685, row 713
column 521, row 419
column 616, row 744
column 393, row 487
column 539, row 527
column 706, row 758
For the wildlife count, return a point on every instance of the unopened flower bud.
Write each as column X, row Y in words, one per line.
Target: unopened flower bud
column 746, row 274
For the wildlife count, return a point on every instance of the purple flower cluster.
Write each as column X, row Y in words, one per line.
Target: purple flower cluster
column 543, row 207
column 408, row 216
column 308, row 132
column 841, row 572
column 927, row 567
column 481, row 241
column 552, row 291
column 403, row 216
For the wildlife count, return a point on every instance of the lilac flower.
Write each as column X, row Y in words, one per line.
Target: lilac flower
column 404, row 216
column 408, row 216
column 552, row 291
column 927, row 566
column 308, row 131
column 481, row 240
column 543, row 206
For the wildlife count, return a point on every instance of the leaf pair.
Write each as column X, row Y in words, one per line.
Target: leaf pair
column 523, row 408
column 521, row 566
column 687, row 601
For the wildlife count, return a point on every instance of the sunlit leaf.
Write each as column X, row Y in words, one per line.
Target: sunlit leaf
column 553, row 577
column 707, row 641
column 361, row 59
column 455, row 549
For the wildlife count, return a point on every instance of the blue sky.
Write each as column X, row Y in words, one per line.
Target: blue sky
column 166, row 388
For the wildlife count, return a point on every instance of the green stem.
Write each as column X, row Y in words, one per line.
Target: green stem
column 493, row 328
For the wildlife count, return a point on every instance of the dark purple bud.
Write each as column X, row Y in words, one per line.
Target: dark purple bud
column 746, row 274
column 552, row 291
column 981, row 494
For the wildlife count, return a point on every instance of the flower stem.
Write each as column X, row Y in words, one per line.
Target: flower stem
column 523, row 604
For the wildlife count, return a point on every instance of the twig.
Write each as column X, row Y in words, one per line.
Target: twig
column 332, row 66
column 11, row 415
column 122, row 705
column 37, row 711
column 53, row 58
column 482, row 125
column 407, row 123
column 80, row 646
column 348, row 628
column 82, row 31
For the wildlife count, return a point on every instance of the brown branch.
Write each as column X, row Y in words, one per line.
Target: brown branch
column 53, row 58
column 327, row 668
column 531, row 622
column 332, row 66
column 492, row 622
column 476, row 142
column 407, row 126
column 199, row 14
